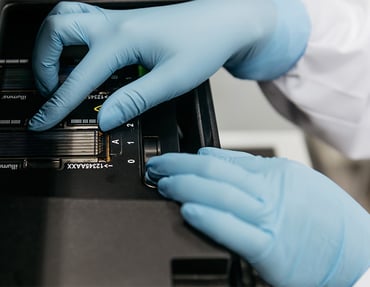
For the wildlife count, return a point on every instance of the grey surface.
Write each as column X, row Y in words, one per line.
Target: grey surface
column 240, row 105
column 71, row 242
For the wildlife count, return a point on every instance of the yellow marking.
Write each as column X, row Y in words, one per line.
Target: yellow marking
column 107, row 148
column 97, row 108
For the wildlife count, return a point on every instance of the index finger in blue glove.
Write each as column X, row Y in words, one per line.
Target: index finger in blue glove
column 208, row 167
column 155, row 87
column 86, row 76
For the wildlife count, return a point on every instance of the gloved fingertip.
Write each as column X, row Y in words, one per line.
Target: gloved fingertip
column 36, row 123
column 162, row 186
column 107, row 123
column 190, row 211
column 149, row 180
column 109, row 119
column 152, row 173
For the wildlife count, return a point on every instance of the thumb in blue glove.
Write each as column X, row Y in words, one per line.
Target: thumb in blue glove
column 181, row 45
column 294, row 225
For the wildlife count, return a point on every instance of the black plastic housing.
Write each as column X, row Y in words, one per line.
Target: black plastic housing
column 106, row 227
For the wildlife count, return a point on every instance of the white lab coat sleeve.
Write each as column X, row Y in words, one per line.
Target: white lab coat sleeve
column 364, row 280
column 330, row 85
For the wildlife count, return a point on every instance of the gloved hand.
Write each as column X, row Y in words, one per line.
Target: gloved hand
column 181, row 45
column 293, row 224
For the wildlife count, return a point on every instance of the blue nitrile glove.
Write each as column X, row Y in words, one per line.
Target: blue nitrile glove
column 181, row 45
column 294, row 225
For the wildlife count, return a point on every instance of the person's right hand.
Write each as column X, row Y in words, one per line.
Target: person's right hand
column 294, row 225
column 181, row 45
